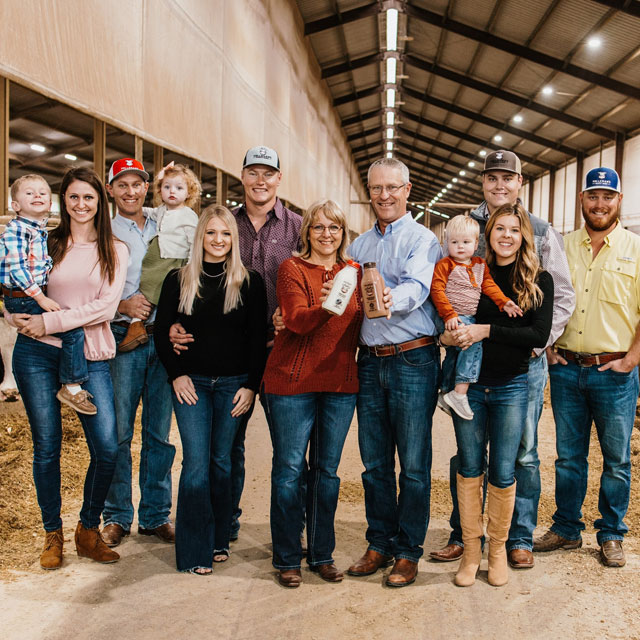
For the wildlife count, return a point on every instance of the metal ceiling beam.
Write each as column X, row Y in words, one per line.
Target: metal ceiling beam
column 526, row 103
column 357, row 95
column 430, row 141
column 344, row 67
column 522, row 51
column 364, row 134
column 361, row 117
column 628, row 6
column 490, row 122
column 479, row 141
column 432, row 155
column 341, row 18
column 365, row 147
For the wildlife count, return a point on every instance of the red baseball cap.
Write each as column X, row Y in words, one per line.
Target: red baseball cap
column 125, row 165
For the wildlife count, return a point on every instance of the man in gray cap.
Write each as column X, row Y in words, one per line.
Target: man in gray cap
column 594, row 371
column 269, row 233
column 501, row 182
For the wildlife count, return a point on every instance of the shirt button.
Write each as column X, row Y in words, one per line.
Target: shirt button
column 580, row 332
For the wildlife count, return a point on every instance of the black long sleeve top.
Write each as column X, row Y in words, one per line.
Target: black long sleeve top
column 224, row 344
column 506, row 352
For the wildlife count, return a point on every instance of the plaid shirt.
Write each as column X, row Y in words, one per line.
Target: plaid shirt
column 24, row 260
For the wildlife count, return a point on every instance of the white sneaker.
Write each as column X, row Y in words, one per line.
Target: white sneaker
column 460, row 404
column 443, row 405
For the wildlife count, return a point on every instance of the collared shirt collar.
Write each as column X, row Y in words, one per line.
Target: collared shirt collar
column 278, row 209
column 38, row 224
column 129, row 221
column 612, row 235
column 396, row 225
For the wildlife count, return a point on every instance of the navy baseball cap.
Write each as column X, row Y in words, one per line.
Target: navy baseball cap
column 602, row 178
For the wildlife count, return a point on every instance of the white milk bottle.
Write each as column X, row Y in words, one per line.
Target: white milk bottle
column 344, row 284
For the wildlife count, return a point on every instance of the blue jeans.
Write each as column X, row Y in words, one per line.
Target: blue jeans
column 137, row 375
column 460, row 366
column 580, row 395
column 72, row 368
column 525, row 514
column 207, row 431
column 292, row 422
column 499, row 414
column 395, row 409
column 35, row 367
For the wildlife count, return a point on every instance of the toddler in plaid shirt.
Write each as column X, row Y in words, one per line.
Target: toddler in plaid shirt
column 24, row 271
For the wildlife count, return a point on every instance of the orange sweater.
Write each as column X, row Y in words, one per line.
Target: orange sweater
column 316, row 352
column 456, row 287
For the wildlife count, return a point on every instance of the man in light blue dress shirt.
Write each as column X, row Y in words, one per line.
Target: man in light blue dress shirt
column 138, row 375
column 399, row 371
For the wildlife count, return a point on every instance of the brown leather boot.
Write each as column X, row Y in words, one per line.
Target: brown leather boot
column 89, row 544
column 136, row 335
column 500, row 503
column 51, row 556
column 470, row 505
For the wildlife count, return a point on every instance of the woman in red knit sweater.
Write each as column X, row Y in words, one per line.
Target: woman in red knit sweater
column 311, row 379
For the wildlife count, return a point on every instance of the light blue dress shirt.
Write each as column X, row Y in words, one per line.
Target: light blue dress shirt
column 137, row 240
column 405, row 257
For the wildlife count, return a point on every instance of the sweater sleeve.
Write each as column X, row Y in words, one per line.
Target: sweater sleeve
column 535, row 334
column 441, row 273
column 298, row 314
column 491, row 289
column 257, row 330
column 189, row 226
column 101, row 309
column 166, row 315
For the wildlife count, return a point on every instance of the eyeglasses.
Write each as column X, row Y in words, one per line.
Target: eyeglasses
column 319, row 229
column 391, row 189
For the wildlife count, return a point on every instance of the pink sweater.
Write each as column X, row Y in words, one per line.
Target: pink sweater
column 86, row 299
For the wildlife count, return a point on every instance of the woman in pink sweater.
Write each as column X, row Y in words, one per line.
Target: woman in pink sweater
column 86, row 281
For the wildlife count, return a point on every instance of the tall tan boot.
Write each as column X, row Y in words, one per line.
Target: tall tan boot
column 500, row 509
column 89, row 544
column 51, row 556
column 470, row 506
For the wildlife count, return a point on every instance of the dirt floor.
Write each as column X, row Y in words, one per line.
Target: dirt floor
column 567, row 594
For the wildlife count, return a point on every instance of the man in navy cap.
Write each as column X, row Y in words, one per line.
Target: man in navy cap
column 594, row 371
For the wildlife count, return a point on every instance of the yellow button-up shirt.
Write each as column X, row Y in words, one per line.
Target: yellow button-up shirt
column 607, row 292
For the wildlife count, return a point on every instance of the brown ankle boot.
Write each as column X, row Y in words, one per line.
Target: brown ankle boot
column 136, row 335
column 51, row 557
column 89, row 544
column 500, row 503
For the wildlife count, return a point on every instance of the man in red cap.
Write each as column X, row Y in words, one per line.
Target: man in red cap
column 138, row 375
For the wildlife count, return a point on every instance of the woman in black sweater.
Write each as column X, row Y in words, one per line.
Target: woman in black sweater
column 224, row 307
column 499, row 398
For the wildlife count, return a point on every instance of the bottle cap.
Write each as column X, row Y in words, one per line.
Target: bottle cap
column 353, row 263
column 369, row 265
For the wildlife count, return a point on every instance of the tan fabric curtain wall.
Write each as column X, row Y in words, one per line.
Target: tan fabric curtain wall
column 207, row 78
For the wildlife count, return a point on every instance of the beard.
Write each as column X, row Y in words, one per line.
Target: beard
column 601, row 223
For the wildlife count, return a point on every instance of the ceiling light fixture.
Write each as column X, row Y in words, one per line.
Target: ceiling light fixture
column 518, row 118
column 391, row 116
column 483, row 153
column 389, row 146
column 462, row 172
column 389, row 154
column 454, row 180
column 420, row 214
column 70, row 156
column 594, row 42
column 471, row 164
column 548, row 90
column 390, row 133
column 392, row 29
column 391, row 70
column 38, row 147
column 497, row 137
column 391, row 98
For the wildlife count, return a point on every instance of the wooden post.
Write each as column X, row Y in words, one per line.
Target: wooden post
column 138, row 152
column 222, row 182
column 197, row 169
column 620, row 140
column 531, row 182
column 577, row 220
column 158, row 159
column 99, row 147
column 4, row 145
column 552, row 191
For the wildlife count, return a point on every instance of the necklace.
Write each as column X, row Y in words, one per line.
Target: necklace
column 217, row 275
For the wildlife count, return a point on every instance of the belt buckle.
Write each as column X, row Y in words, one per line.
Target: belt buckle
column 580, row 359
column 375, row 350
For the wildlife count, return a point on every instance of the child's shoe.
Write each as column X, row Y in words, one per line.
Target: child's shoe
column 78, row 401
column 136, row 335
column 460, row 404
column 443, row 405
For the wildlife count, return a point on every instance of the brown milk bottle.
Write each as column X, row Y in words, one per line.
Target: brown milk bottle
column 372, row 288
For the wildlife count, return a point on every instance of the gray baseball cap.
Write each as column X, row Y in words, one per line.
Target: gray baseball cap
column 502, row 161
column 261, row 155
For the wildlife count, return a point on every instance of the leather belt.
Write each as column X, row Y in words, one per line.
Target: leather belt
column 589, row 359
column 125, row 325
column 18, row 293
column 383, row 350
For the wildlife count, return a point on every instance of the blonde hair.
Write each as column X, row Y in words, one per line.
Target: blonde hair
column 18, row 182
column 461, row 224
column 191, row 274
column 333, row 212
column 194, row 189
column 527, row 265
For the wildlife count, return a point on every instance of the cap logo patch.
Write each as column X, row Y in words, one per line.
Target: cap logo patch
column 129, row 163
column 499, row 156
column 602, row 175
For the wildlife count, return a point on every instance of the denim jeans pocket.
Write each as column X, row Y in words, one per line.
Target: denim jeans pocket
column 420, row 357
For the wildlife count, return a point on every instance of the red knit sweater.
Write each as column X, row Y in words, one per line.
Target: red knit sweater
column 316, row 352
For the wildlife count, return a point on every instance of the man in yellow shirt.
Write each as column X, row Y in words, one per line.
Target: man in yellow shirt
column 593, row 372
